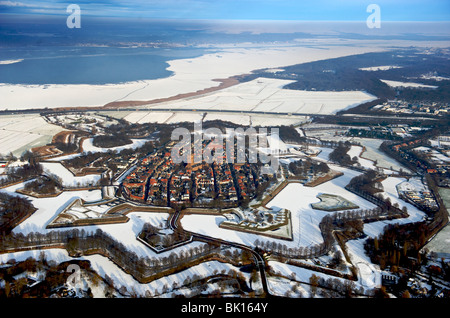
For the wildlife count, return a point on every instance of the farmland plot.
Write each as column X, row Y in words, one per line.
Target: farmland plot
column 19, row 133
column 264, row 94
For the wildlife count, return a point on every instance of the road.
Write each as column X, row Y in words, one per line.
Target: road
column 343, row 119
column 259, row 260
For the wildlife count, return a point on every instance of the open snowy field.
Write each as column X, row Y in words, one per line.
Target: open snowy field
column 68, row 179
column 19, row 133
column 141, row 117
column 373, row 152
column 194, row 74
column 89, row 147
column 190, row 75
column 50, row 208
column 390, row 191
column 295, row 197
column 406, row 84
column 379, row 68
column 105, row 267
column 268, row 95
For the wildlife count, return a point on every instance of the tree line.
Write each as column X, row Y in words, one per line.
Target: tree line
column 12, row 210
column 109, row 141
column 340, row 155
column 78, row 242
column 21, row 173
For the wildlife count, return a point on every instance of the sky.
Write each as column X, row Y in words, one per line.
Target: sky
column 299, row 10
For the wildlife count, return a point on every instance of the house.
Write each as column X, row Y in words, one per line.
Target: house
column 388, row 279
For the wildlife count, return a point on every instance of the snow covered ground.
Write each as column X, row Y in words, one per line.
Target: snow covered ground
column 89, row 147
column 390, row 191
column 142, row 117
column 294, row 197
column 68, row 179
column 356, row 151
column 268, row 95
column 49, row 208
column 407, row 84
column 190, row 75
column 103, row 266
column 440, row 244
column 380, row 68
column 373, row 152
column 19, row 133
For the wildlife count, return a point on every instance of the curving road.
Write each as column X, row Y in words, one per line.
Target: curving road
column 259, row 260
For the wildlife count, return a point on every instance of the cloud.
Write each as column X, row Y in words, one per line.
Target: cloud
column 402, row 10
column 16, row 4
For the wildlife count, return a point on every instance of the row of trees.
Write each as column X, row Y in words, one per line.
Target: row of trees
column 21, row 173
column 12, row 210
column 338, row 221
column 301, row 168
column 153, row 235
column 335, row 288
column 81, row 242
column 43, row 185
column 109, row 141
column 51, row 276
column 340, row 155
column 398, row 245
column 367, row 182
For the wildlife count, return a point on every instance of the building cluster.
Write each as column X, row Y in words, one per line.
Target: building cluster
column 157, row 180
column 424, row 200
column 439, row 161
column 417, row 193
column 399, row 106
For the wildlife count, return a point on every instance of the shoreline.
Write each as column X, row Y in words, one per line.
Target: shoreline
column 224, row 83
column 190, row 77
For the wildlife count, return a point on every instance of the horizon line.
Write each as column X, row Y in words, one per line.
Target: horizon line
column 140, row 19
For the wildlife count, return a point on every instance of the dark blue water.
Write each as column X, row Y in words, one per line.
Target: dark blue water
column 104, row 50
column 87, row 65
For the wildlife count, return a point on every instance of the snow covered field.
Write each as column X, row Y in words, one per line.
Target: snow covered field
column 142, row 117
column 357, row 151
column 103, row 266
column 372, row 148
column 89, row 147
column 379, row 68
column 295, row 197
column 19, row 133
column 5, row 62
column 68, row 179
column 268, row 95
column 407, row 84
column 373, row 152
column 49, row 208
column 190, row 75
